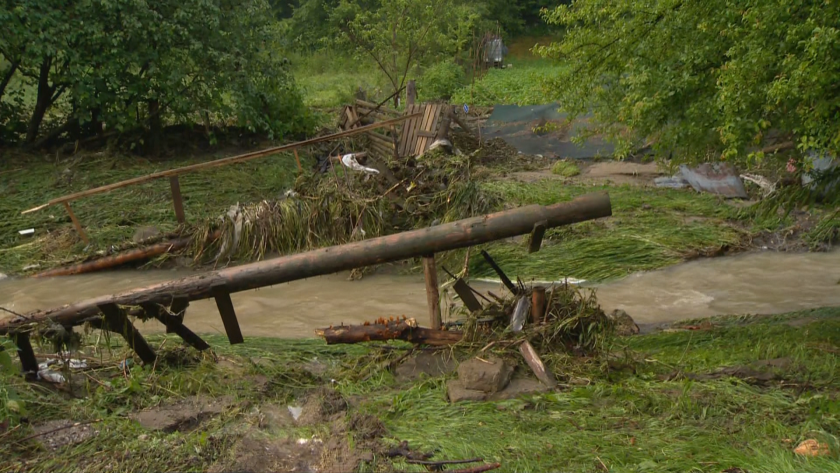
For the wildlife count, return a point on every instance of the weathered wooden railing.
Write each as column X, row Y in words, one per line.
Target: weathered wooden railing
column 168, row 301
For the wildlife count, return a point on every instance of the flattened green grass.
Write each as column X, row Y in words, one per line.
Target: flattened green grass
column 112, row 218
column 650, row 228
column 639, row 412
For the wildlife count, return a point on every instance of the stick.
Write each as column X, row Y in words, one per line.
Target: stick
column 536, row 364
column 478, row 469
column 444, row 462
column 511, row 287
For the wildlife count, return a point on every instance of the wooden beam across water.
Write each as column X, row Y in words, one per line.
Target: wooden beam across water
column 374, row 251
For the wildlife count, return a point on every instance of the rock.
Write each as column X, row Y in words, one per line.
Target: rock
column 812, row 448
column 488, row 376
column 624, row 324
column 3, row 276
column 519, row 387
column 432, row 364
column 144, row 233
column 457, row 392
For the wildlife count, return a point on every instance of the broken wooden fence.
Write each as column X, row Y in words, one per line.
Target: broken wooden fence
column 168, row 301
column 173, row 174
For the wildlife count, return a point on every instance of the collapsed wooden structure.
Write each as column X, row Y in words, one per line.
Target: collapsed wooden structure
column 173, row 174
column 168, row 301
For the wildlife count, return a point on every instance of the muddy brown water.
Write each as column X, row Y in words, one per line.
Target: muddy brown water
column 767, row 282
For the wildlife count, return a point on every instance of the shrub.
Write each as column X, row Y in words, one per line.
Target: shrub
column 565, row 169
column 441, row 80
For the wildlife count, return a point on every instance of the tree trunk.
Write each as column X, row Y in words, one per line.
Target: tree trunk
column 406, row 330
column 43, row 101
column 155, row 137
column 8, row 77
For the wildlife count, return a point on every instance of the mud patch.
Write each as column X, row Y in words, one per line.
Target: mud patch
column 338, row 456
column 621, row 172
column 321, row 405
column 184, row 415
column 257, row 455
column 61, row 433
column 760, row 373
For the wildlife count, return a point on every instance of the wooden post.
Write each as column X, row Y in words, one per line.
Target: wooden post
column 411, row 93
column 432, row 294
column 537, row 304
column 116, row 321
column 27, row 356
column 175, row 185
column 225, row 305
column 76, row 223
column 297, row 158
column 465, row 292
column 537, row 235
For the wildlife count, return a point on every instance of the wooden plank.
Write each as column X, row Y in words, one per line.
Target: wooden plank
column 428, row 118
column 505, row 280
column 415, row 137
column 220, row 162
column 537, row 365
column 297, row 158
column 432, row 294
column 433, row 129
column 426, row 134
column 537, row 235
column 175, row 185
column 28, row 363
column 174, row 322
column 406, row 131
column 395, row 141
column 116, row 321
column 76, row 223
column 465, row 292
column 537, row 304
column 411, row 150
column 225, row 305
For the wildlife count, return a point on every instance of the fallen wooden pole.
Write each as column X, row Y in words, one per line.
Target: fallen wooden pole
column 125, row 257
column 219, row 162
column 401, row 246
column 406, row 330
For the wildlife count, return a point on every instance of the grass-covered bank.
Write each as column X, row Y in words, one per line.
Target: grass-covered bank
column 740, row 392
column 650, row 228
column 113, row 218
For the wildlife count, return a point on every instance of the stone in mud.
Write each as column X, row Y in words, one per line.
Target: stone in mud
column 624, row 324
column 488, row 376
column 144, row 233
column 519, row 387
column 457, row 392
column 432, row 364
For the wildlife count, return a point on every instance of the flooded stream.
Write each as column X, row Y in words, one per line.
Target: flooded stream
column 766, row 282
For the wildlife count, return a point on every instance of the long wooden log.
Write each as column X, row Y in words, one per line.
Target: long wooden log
column 124, row 257
column 406, row 330
column 119, row 259
column 401, row 246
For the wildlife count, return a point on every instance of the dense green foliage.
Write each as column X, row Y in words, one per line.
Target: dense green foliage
column 703, row 78
column 85, row 67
